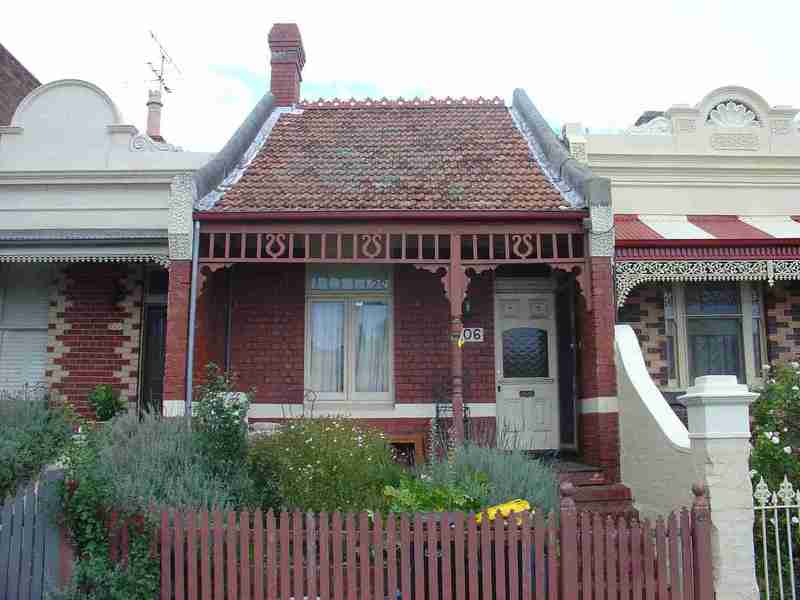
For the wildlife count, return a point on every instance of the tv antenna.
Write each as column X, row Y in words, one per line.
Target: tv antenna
column 166, row 61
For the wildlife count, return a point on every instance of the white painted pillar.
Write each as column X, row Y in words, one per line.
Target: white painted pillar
column 719, row 432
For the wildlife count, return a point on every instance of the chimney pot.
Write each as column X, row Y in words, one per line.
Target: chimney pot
column 154, row 106
column 287, row 60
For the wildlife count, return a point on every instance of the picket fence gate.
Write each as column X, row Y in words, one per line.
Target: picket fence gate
column 434, row 556
column 31, row 548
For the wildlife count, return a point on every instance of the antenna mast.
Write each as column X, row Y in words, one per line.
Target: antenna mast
column 160, row 70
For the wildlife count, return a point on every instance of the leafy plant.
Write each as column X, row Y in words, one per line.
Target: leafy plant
column 775, row 454
column 505, row 475
column 422, row 495
column 220, row 420
column 326, row 463
column 33, row 434
column 106, row 402
column 87, row 497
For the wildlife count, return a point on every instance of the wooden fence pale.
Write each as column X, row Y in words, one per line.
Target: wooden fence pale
column 33, row 558
column 436, row 556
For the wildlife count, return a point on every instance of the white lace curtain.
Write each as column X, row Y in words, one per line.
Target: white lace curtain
column 372, row 347
column 368, row 336
column 327, row 346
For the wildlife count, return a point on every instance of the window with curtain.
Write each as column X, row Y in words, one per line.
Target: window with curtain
column 714, row 330
column 348, row 341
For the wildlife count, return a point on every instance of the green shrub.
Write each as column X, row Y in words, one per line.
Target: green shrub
column 327, row 463
column 775, row 454
column 106, row 402
column 156, row 460
column 220, row 421
column 775, row 419
column 33, row 434
column 506, row 475
column 423, row 495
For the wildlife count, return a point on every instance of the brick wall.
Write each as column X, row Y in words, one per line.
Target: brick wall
column 783, row 321
column 180, row 272
column 268, row 320
column 421, row 335
column 94, row 331
column 15, row 83
column 211, row 320
column 644, row 312
column 479, row 359
column 267, row 330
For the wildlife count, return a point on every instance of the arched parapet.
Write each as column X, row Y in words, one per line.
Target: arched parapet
column 42, row 94
column 729, row 106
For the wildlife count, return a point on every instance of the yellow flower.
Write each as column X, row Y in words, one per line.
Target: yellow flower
column 505, row 509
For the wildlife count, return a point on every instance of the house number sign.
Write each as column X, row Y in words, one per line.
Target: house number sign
column 471, row 334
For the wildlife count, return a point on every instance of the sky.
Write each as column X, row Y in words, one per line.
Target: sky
column 601, row 63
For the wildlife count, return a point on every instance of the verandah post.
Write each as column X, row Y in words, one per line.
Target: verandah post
column 457, row 288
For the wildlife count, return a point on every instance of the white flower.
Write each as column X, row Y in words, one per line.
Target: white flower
column 753, row 473
column 794, row 364
column 795, row 520
column 776, row 440
column 769, row 434
column 795, row 388
column 785, row 429
column 787, row 449
column 765, row 367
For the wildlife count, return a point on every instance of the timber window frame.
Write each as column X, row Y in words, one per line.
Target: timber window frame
column 351, row 287
column 679, row 319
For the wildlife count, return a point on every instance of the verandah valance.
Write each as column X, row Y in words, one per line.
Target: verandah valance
column 629, row 274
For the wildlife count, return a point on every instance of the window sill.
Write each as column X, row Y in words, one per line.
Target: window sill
column 340, row 407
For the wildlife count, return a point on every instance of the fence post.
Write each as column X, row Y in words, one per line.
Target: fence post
column 719, row 432
column 568, row 542
column 701, row 545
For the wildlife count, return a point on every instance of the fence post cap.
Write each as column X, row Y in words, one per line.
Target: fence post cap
column 700, row 492
column 568, row 491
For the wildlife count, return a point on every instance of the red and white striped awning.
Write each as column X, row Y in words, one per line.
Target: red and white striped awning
column 728, row 237
column 663, row 248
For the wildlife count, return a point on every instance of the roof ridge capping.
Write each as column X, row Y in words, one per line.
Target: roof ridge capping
column 594, row 191
column 214, row 172
column 400, row 102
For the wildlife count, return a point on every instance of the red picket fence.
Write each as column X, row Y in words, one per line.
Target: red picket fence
column 441, row 556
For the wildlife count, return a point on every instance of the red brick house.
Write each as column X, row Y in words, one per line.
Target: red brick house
column 15, row 83
column 342, row 247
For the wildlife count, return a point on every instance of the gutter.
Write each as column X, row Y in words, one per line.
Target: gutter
column 394, row 215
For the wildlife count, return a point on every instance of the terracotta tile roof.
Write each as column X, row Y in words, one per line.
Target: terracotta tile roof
column 415, row 155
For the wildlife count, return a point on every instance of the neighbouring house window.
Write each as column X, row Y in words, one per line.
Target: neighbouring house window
column 348, row 333
column 670, row 331
column 710, row 328
column 24, row 316
column 714, row 330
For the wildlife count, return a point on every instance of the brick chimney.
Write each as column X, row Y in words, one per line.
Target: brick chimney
column 288, row 58
column 154, row 106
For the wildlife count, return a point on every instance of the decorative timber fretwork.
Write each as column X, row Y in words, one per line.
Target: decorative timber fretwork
column 629, row 274
column 391, row 245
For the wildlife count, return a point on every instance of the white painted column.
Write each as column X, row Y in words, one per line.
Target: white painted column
column 719, row 432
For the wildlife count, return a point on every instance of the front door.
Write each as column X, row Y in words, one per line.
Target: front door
column 526, row 370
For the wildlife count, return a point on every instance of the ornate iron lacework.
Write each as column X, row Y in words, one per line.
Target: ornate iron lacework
column 133, row 258
column 629, row 274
